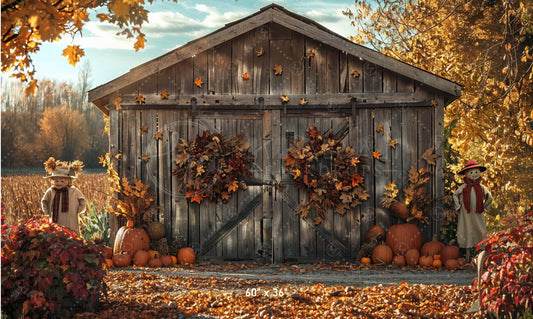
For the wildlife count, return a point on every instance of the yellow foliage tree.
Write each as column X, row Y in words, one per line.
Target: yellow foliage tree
column 26, row 24
column 486, row 46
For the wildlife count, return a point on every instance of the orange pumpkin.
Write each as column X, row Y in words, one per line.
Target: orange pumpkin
column 141, row 258
column 382, row 254
column 131, row 240
column 366, row 260
column 174, row 260
column 449, row 252
column 155, row 262
column 431, row 247
column 166, row 260
column 403, row 237
column 374, row 232
column 153, row 254
column 437, row 263
column 426, row 261
column 399, row 260
column 121, row 260
column 451, row 264
column 436, row 257
column 186, row 256
column 411, row 257
column 399, row 209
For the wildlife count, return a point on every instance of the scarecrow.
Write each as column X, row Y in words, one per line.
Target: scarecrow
column 471, row 200
column 63, row 201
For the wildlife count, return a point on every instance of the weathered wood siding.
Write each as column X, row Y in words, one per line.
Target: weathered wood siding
column 260, row 223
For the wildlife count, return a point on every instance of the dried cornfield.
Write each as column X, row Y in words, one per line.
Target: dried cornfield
column 21, row 194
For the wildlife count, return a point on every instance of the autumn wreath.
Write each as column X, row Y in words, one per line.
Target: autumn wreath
column 213, row 167
column 329, row 172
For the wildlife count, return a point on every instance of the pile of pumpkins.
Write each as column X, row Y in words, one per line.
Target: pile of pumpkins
column 132, row 246
column 403, row 247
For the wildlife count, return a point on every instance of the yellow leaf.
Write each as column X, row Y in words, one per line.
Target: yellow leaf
column 260, row 52
column 233, row 186
column 379, row 128
column 119, row 7
column 118, row 156
column 310, row 54
column 159, row 135
column 356, row 74
column 303, row 101
column 164, row 95
column 278, row 69
column 140, row 99
column 199, row 82
column 393, row 144
column 376, row 154
column 296, row 173
column 73, row 54
column 139, row 44
column 284, row 98
column 199, row 170
column 116, row 102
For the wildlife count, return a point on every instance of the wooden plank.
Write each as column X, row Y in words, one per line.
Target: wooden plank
column 365, row 141
column 311, row 46
column 438, row 180
column 341, row 223
column 230, row 244
column 290, row 224
column 220, row 72
column 382, row 167
column 344, row 75
column 425, row 141
column 267, row 214
column 373, row 77
column 332, row 70
column 389, row 81
column 297, row 57
column 355, row 214
column 115, row 132
column 184, row 78
column 397, row 170
column 166, row 165
column 261, row 64
column 281, row 83
column 257, row 171
column 409, row 142
column 200, row 70
column 277, row 209
column 180, row 225
column 405, row 84
column 321, row 58
column 356, row 74
column 166, row 81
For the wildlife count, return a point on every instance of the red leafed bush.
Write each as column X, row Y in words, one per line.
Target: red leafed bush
column 48, row 271
column 507, row 280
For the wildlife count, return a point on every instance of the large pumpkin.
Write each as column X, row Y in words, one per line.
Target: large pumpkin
column 186, row 256
column 449, row 252
column 431, row 247
column 131, row 240
column 403, row 237
column 156, row 230
column 382, row 254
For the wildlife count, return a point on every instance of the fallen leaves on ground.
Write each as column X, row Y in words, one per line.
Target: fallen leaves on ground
column 148, row 295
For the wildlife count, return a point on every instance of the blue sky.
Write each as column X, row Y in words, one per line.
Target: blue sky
column 170, row 25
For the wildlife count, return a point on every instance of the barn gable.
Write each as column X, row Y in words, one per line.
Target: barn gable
column 377, row 103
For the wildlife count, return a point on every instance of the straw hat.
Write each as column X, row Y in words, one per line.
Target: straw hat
column 56, row 168
column 472, row 164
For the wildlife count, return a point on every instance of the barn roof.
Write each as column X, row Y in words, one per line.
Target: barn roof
column 100, row 96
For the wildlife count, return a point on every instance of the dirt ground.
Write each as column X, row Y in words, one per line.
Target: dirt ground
column 326, row 273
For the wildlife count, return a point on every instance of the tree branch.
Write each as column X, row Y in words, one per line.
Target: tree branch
column 11, row 5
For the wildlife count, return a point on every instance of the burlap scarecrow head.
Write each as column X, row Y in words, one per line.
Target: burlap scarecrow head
column 55, row 168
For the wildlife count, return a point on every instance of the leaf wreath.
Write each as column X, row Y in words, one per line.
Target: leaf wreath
column 341, row 187
column 212, row 167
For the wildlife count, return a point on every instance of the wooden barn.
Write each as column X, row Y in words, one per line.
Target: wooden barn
column 271, row 76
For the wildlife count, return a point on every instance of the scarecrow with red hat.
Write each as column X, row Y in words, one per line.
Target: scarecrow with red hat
column 471, row 200
column 63, row 201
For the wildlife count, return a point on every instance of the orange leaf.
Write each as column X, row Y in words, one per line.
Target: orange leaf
column 159, row 135
column 434, row 103
column 144, row 129
column 379, row 128
column 260, row 52
column 310, row 54
column 118, row 156
column 356, row 74
column 73, row 53
column 145, row 158
column 278, row 69
column 140, row 99
column 116, row 102
column 199, row 82
column 376, row 154
column 284, row 98
column 303, row 101
column 245, row 76
column 139, row 44
column 233, row 186
column 164, row 95
column 393, row 144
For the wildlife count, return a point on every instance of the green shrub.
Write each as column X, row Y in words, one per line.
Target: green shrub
column 95, row 225
column 507, row 281
column 47, row 270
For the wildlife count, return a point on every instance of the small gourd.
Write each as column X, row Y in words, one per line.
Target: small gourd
column 411, row 257
column 437, row 263
column 426, row 261
column 399, row 260
column 366, row 260
column 155, row 262
column 166, row 260
column 122, row 259
column 141, row 258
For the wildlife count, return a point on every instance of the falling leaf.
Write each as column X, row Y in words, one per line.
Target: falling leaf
column 164, row 95
column 118, row 156
column 260, row 52
column 73, row 54
column 303, row 101
column 376, row 154
column 140, row 99
column 145, row 158
column 199, row 82
column 356, row 74
column 245, row 76
column 159, row 135
column 310, row 54
column 434, row 103
column 116, row 102
column 379, row 128
column 278, row 69
column 429, row 156
column 393, row 144
column 139, row 44
column 284, row 98
column 144, row 129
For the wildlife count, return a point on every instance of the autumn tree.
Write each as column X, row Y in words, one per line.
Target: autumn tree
column 62, row 134
column 486, row 46
column 27, row 24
